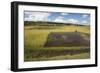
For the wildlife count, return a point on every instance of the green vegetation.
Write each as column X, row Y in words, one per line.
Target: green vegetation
column 53, row 53
column 35, row 37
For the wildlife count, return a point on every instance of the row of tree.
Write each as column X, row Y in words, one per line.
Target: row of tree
column 48, row 23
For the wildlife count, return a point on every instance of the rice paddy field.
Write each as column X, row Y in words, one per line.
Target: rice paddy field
column 37, row 42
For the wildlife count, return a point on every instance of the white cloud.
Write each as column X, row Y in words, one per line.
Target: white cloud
column 84, row 22
column 64, row 13
column 37, row 16
column 72, row 21
column 59, row 19
column 84, row 16
column 63, row 20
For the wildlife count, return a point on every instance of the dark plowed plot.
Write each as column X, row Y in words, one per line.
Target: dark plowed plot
column 67, row 39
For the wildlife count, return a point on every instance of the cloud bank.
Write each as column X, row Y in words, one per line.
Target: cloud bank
column 61, row 17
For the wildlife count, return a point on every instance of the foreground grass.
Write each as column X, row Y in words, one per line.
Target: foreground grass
column 53, row 53
column 66, row 57
column 61, row 57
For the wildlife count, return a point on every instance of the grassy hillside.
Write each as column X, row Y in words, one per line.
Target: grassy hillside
column 35, row 37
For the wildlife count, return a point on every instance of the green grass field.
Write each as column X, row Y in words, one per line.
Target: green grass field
column 35, row 38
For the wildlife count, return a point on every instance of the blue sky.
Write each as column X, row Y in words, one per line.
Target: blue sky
column 62, row 17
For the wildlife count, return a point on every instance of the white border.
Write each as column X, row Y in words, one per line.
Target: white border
column 22, row 64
